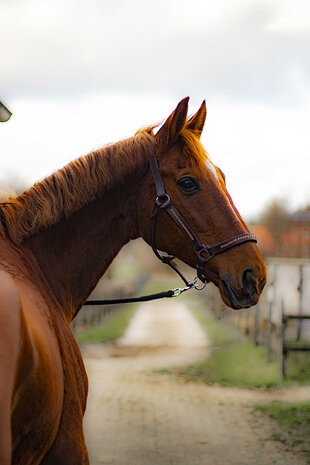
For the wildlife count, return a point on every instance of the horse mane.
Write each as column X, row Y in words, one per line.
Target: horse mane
column 82, row 181
column 70, row 188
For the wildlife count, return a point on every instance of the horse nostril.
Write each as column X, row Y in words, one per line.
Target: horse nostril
column 249, row 282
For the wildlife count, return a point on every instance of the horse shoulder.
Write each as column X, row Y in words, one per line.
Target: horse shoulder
column 38, row 390
column 10, row 333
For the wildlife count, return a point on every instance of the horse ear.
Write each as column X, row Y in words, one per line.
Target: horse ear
column 197, row 122
column 170, row 130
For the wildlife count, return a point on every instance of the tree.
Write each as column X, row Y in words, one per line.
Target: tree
column 274, row 217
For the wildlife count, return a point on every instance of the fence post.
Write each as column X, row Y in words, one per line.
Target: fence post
column 269, row 325
column 283, row 350
column 256, row 324
column 300, row 310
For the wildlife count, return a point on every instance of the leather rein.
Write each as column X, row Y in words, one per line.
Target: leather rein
column 204, row 252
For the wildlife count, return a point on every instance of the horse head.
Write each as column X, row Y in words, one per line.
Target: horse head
column 196, row 187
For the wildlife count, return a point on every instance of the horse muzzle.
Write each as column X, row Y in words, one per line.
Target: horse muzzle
column 244, row 296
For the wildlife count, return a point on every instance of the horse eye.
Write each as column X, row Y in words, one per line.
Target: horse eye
column 188, row 185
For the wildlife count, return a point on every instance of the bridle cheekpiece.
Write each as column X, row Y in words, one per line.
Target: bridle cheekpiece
column 204, row 252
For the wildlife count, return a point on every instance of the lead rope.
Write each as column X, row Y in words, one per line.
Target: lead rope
column 144, row 298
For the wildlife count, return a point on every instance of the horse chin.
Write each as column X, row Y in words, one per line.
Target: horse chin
column 236, row 299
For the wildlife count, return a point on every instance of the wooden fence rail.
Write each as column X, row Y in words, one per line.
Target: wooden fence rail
column 290, row 347
column 258, row 324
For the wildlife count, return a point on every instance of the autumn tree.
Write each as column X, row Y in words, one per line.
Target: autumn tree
column 274, row 217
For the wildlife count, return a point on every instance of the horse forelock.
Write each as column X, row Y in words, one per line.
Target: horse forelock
column 193, row 148
column 70, row 188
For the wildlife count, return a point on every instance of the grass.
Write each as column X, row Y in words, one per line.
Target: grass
column 219, row 332
column 241, row 365
column 288, row 414
column 297, row 369
column 294, row 417
column 236, row 361
column 110, row 329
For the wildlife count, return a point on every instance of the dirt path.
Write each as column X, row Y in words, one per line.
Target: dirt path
column 136, row 417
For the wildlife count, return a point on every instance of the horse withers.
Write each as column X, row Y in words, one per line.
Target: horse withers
column 57, row 240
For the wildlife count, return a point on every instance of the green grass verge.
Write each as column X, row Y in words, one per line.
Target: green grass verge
column 241, row 365
column 110, row 329
column 297, row 369
column 236, row 361
column 288, row 414
column 219, row 332
column 294, row 417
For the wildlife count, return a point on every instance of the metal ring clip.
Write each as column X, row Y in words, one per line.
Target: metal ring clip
column 162, row 201
column 200, row 288
column 193, row 284
column 177, row 291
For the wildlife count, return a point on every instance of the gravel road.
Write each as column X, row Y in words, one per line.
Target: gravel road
column 137, row 417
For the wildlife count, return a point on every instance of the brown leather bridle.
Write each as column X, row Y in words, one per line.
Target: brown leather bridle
column 204, row 252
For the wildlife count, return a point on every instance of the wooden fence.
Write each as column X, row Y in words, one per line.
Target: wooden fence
column 281, row 320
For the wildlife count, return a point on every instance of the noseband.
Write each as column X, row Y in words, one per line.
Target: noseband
column 204, row 252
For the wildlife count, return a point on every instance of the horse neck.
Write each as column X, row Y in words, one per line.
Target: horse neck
column 74, row 253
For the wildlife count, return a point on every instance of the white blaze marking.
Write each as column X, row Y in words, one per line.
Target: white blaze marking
column 212, row 170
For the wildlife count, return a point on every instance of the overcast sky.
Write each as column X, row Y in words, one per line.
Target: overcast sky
column 78, row 74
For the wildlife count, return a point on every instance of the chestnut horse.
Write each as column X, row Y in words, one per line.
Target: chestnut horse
column 58, row 238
